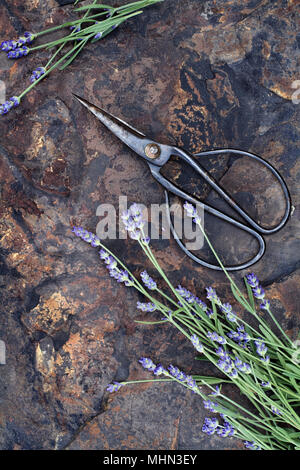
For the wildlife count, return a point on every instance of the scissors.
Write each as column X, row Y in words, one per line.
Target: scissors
column 157, row 155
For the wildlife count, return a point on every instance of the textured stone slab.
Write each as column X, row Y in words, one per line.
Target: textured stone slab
column 200, row 75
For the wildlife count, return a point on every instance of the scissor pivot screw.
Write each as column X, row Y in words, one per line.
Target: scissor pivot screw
column 152, row 151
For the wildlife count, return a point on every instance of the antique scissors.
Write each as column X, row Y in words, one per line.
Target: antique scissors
column 157, row 155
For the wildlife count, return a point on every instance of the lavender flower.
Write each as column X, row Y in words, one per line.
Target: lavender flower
column 186, row 294
column 265, row 384
column 239, row 336
column 133, row 221
column 234, row 374
column 37, row 73
column 88, row 237
column 211, row 406
column 261, row 348
column 178, row 374
column 115, row 387
column 265, row 359
column 7, row 46
column 19, row 52
column 159, row 370
column 258, row 292
column 192, row 212
column 27, row 38
column 227, row 430
column 242, row 366
column 225, row 363
column 146, row 307
column 227, row 309
column 212, row 296
column 148, row 281
column 275, row 411
column 252, row 445
column 8, row 105
column 75, row 28
column 196, row 343
column 215, row 337
column 210, row 425
column 252, row 280
column 98, row 35
column 147, row 363
column 265, row 305
column 216, row 392
column 191, row 382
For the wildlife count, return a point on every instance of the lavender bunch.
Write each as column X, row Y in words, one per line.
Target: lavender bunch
column 260, row 362
column 96, row 23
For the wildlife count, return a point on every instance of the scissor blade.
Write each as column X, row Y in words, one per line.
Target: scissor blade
column 128, row 134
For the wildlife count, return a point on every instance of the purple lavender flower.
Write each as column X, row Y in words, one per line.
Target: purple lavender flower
column 275, row 410
column 159, row 370
column 242, row 366
column 265, row 305
column 191, row 382
column 7, row 46
column 192, row 212
column 252, row 280
column 98, row 35
column 178, row 374
column 88, row 237
column 258, row 292
column 212, row 296
column 261, row 348
column 146, row 307
column 227, row 309
column 27, row 38
column 265, row 359
column 19, row 52
column 123, row 276
column 215, row 337
column 115, row 387
column 210, row 425
column 148, row 281
column 9, row 104
column 252, row 445
column 211, row 406
column 75, row 28
column 234, row 374
column 216, row 392
column 239, row 336
column 225, row 363
column 227, row 430
column 186, row 294
column 133, row 221
column 265, row 384
column 147, row 363
column 37, row 73
column 197, row 344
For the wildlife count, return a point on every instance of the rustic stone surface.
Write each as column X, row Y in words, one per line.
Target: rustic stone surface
column 198, row 74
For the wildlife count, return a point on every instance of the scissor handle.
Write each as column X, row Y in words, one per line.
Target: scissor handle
column 155, row 170
column 205, row 175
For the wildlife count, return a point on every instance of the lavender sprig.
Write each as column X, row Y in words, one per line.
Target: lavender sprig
column 91, row 27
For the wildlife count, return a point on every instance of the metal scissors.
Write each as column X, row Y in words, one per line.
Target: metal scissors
column 157, row 155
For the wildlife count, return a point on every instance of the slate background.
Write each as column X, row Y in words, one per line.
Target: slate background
column 199, row 74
